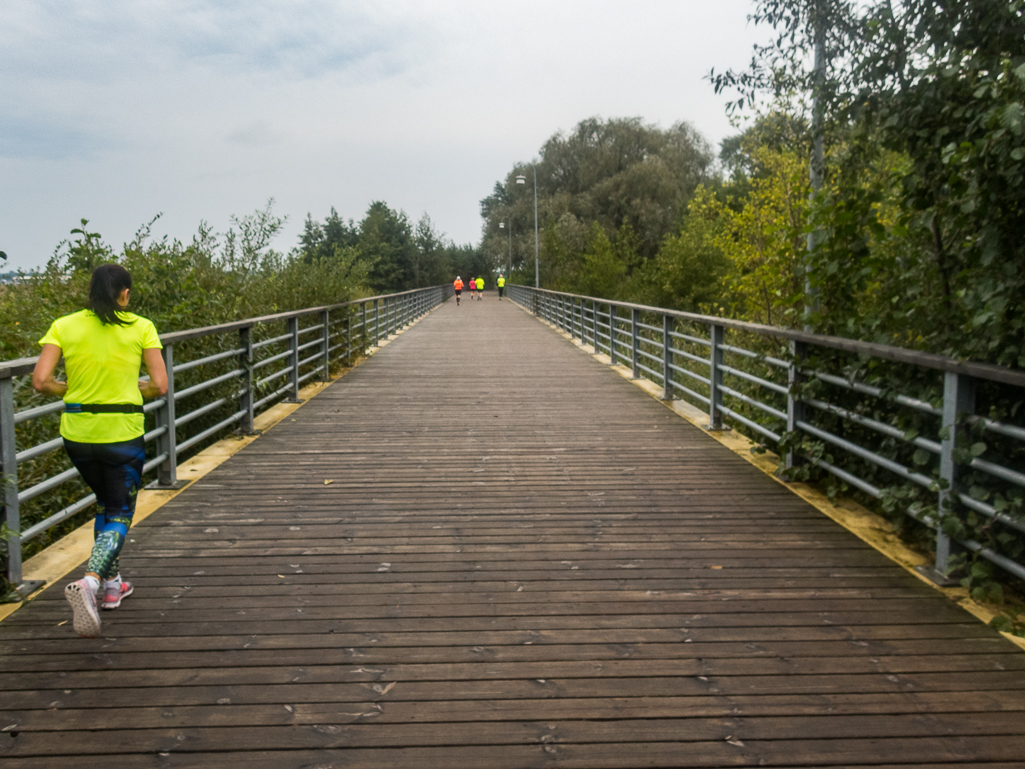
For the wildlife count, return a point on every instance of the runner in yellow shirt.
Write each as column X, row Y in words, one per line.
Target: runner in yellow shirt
column 104, row 348
column 501, row 287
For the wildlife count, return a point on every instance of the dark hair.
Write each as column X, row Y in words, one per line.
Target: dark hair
column 105, row 286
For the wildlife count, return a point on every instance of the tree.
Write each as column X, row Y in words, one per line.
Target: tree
column 944, row 84
column 923, row 106
column 386, row 241
column 431, row 258
column 613, row 172
column 691, row 266
column 320, row 240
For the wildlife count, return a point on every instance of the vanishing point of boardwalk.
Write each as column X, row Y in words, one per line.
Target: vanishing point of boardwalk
column 482, row 548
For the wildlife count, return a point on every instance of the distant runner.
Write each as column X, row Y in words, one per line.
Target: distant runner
column 480, row 289
column 458, row 285
column 501, row 287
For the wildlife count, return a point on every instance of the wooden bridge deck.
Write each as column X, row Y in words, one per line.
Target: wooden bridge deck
column 482, row 548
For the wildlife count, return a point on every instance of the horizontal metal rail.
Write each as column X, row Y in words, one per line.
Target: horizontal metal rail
column 178, row 369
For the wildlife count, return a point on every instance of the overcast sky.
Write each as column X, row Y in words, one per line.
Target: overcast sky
column 117, row 110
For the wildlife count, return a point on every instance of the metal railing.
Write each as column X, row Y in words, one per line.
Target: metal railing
column 230, row 372
column 922, row 433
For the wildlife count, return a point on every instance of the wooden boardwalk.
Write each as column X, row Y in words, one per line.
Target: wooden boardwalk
column 482, row 548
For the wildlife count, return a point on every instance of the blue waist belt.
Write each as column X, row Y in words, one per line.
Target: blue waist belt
column 102, row 408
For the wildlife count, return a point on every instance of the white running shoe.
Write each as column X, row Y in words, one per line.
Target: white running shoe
column 83, row 603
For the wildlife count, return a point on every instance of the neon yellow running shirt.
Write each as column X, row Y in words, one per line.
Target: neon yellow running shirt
column 102, row 363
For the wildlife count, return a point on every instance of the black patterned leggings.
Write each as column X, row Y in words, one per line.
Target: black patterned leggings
column 114, row 472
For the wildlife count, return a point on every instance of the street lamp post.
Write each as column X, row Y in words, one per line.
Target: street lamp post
column 501, row 226
column 537, row 263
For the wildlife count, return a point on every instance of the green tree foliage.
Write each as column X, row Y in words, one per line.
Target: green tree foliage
column 386, row 241
column 943, row 85
column 610, row 172
column 922, row 211
column 212, row 279
column 692, row 265
column 322, row 240
column 400, row 256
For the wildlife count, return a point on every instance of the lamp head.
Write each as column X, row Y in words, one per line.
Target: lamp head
column 521, row 179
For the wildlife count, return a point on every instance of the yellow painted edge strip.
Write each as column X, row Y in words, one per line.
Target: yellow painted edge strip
column 62, row 557
column 860, row 521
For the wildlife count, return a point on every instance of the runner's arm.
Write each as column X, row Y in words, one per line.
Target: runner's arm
column 42, row 375
column 156, row 385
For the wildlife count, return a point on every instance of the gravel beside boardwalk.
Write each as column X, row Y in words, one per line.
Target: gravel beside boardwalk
column 482, row 548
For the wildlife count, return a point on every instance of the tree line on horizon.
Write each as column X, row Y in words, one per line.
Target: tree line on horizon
column 219, row 277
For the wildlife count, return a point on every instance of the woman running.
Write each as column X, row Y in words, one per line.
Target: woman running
column 103, row 424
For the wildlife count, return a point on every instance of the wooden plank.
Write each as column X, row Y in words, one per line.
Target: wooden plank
column 930, row 752
column 329, row 733
column 446, row 711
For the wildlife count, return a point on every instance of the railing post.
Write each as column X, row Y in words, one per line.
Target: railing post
column 594, row 327
column 377, row 322
column 293, row 360
column 667, row 357
column 635, row 342
column 348, row 335
column 363, row 328
column 958, row 401
column 9, row 463
column 717, row 334
column 325, row 319
column 612, row 335
column 248, row 397
column 167, row 444
column 795, row 406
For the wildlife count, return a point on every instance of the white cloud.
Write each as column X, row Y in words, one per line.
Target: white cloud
column 92, row 40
